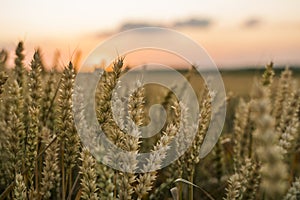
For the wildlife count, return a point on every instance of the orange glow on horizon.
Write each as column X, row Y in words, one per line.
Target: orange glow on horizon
column 240, row 33
column 226, row 46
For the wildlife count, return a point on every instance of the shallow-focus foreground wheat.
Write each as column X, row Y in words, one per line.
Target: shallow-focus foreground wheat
column 42, row 156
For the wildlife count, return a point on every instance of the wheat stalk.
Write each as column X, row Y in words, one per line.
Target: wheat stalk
column 20, row 190
column 51, row 173
column 88, row 176
column 294, row 191
column 273, row 169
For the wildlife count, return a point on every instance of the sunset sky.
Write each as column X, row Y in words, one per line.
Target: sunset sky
column 234, row 32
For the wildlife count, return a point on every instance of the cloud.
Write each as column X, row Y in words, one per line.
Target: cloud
column 252, row 23
column 132, row 25
column 194, row 22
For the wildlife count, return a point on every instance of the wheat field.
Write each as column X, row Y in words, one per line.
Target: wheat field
column 42, row 155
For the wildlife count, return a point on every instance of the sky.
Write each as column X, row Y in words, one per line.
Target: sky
column 233, row 32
